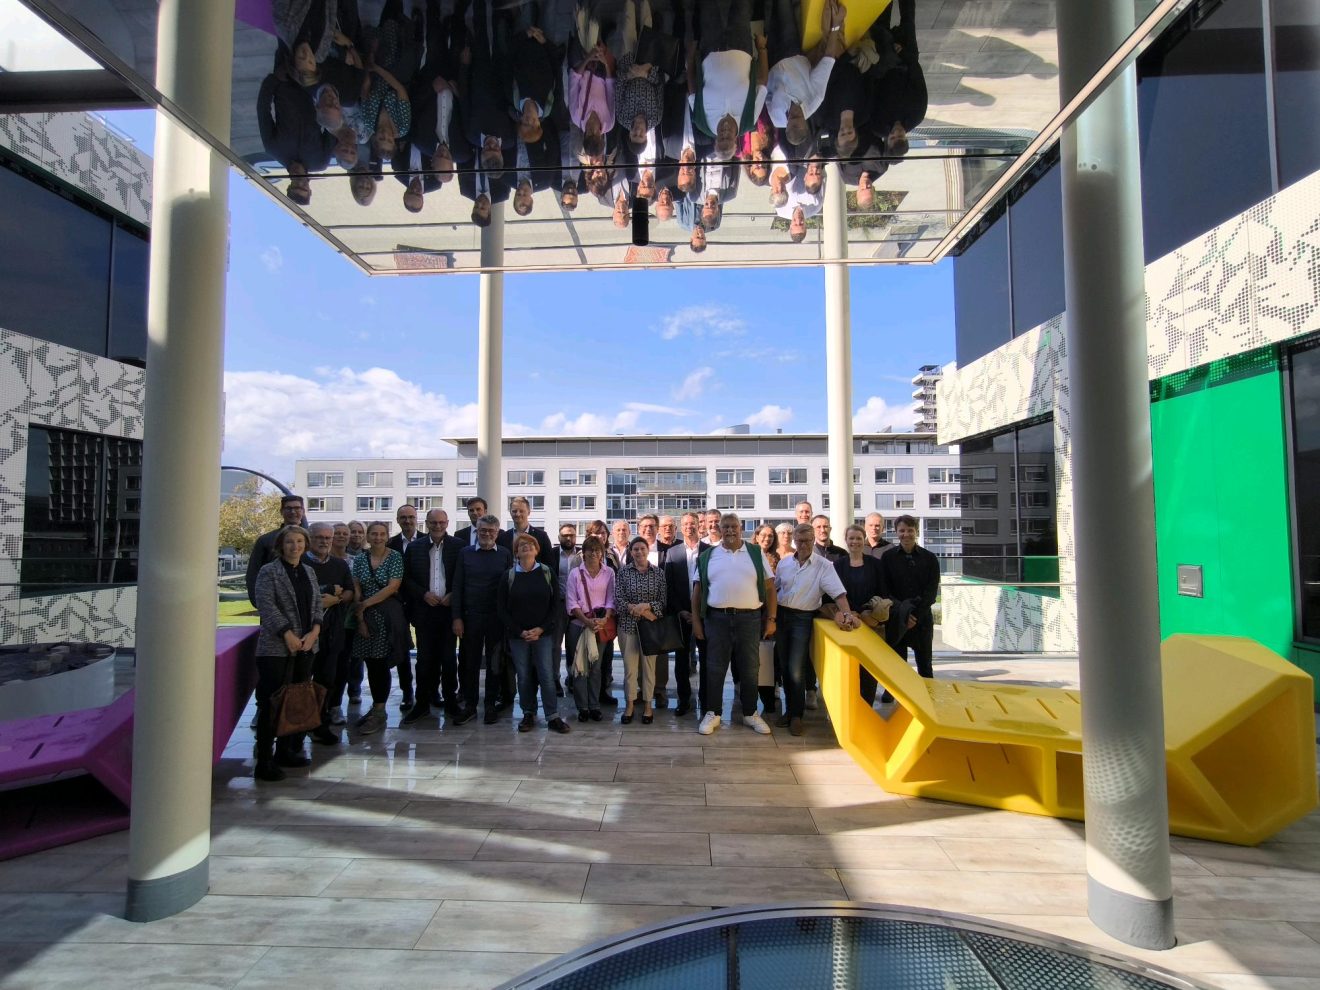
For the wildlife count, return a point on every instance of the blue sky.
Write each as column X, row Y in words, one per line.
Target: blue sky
column 387, row 366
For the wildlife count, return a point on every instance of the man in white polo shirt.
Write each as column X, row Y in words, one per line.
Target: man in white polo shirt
column 733, row 609
column 801, row 583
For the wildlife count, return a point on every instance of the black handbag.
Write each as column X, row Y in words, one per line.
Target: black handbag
column 662, row 635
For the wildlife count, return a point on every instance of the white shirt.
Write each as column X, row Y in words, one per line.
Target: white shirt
column 793, row 80
column 802, row 586
column 731, row 578
column 693, row 553
column 438, row 585
column 444, row 112
column 725, row 78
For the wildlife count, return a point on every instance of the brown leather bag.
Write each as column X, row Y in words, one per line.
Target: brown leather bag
column 297, row 707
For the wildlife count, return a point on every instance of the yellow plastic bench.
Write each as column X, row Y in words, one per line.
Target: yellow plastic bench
column 1239, row 735
column 861, row 15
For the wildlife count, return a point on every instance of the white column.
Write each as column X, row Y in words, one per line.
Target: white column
column 169, row 842
column 838, row 352
column 1130, row 892
column 490, row 367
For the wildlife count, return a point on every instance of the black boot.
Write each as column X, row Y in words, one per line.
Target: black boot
column 289, row 752
column 266, row 768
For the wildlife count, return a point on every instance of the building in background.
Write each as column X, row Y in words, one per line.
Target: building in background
column 73, row 337
column 761, row 477
column 1232, row 245
column 925, row 411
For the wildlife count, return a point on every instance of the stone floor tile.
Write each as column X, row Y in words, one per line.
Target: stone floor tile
column 881, row 852
column 356, row 969
column 1009, row 855
column 551, row 768
column 795, row 795
column 970, row 893
column 465, row 880
column 737, row 773
column 708, row 886
column 664, row 818
column 576, row 846
column 556, row 928
column 536, row 792
column 383, row 842
column 473, row 814
column 75, row 966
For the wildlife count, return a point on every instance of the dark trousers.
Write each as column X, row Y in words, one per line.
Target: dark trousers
column 272, row 674
column 606, row 668
column 793, row 652
column 732, row 638
column 783, row 38
column 437, row 665
column 682, row 667
column 404, row 667
column 724, row 25
column 479, row 648
column 921, row 642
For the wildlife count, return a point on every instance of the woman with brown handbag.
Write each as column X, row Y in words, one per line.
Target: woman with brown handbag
column 590, row 602
column 291, row 611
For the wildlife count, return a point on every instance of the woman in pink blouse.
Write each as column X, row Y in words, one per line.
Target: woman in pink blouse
column 589, row 598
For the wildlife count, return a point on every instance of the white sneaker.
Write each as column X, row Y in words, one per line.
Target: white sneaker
column 336, row 716
column 709, row 723
column 757, row 724
column 811, row 700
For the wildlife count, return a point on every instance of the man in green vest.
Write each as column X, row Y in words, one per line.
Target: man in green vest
column 726, row 83
column 733, row 609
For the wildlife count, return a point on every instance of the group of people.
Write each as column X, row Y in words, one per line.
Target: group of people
column 505, row 604
column 668, row 113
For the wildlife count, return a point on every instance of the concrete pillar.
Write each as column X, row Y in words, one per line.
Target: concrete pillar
column 838, row 352
column 1130, row 893
column 490, row 367
column 169, row 842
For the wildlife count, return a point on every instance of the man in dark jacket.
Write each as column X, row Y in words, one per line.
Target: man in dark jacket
column 912, row 574
column 473, row 602
column 680, row 570
column 263, row 551
column 290, row 133
column 430, row 566
column 520, row 510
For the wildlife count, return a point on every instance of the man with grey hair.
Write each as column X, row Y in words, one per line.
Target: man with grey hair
column 876, row 544
column 472, row 600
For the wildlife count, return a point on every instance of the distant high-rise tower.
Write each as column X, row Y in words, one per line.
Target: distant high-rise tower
column 923, row 394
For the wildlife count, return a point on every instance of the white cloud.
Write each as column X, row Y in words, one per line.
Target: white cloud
column 702, row 321
column 272, row 258
column 770, row 417
column 587, row 424
column 694, row 384
column 273, row 418
column 877, row 415
column 651, row 407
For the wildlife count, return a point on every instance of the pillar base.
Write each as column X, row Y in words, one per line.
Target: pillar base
column 1137, row 921
column 151, row 900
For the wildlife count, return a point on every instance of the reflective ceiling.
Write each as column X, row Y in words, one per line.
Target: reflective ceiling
column 404, row 116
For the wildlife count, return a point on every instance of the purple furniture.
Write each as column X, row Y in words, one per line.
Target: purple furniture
column 68, row 777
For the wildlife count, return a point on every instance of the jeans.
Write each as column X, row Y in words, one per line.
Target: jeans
column 732, row 638
column 794, row 645
column 534, row 664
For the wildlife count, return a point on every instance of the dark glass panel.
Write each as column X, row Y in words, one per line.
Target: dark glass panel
column 1037, row 253
column 982, row 313
column 989, row 546
column 1297, row 87
column 1305, row 379
column 54, row 280
column 1202, row 118
column 1037, row 534
column 128, row 300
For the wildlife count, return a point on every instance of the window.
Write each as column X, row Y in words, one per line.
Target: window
column 577, row 503
column 825, row 501
column 80, row 513
column 730, row 503
column 944, row 476
column 425, row 479
column 893, row 476
column 985, row 500
column 425, row 503
column 537, row 502
column 375, row 479
column 905, row 500
column 981, row 304
column 825, row 476
column 130, row 255
column 735, row 476
column 1034, row 500
column 982, row 475
column 332, row 503
column 569, row 478
column 788, row 476
column 520, row 479
column 325, row 479
column 1001, row 543
column 784, row 503
column 467, row 479
column 374, row 503
column 946, row 500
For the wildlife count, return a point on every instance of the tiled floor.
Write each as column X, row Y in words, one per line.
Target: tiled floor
column 461, row 857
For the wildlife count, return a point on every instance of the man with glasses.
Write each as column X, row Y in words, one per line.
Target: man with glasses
column 476, row 623
column 408, row 533
column 429, row 567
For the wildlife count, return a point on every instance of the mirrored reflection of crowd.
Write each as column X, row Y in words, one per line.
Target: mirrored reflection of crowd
column 496, row 615
column 671, row 111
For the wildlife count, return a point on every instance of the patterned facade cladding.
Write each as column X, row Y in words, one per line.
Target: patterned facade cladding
column 1252, row 281
column 45, row 384
column 79, row 149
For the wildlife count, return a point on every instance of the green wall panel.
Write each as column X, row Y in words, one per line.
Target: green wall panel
column 1221, row 501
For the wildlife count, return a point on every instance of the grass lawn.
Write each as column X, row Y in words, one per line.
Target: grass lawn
column 236, row 614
